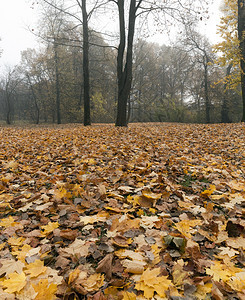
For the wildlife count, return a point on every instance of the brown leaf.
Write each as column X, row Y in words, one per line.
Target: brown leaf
column 69, row 234
column 105, row 266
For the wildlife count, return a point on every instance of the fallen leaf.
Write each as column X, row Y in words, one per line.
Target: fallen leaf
column 14, row 283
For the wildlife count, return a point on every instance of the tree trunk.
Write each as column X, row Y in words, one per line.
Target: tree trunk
column 57, row 84
column 124, row 72
column 225, row 105
column 8, row 114
column 35, row 99
column 86, row 83
column 207, row 101
column 241, row 30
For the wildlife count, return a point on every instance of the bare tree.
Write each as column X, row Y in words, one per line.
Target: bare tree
column 82, row 5
column 169, row 9
column 202, row 52
column 9, row 85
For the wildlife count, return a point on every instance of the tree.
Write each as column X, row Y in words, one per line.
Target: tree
column 82, row 4
column 231, row 48
column 9, row 85
column 86, row 79
column 241, row 32
column 176, row 10
column 202, row 52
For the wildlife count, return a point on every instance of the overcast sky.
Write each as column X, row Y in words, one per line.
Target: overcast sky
column 17, row 15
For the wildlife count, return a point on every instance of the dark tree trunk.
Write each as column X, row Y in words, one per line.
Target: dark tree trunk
column 35, row 100
column 225, row 105
column 241, row 30
column 57, row 83
column 8, row 112
column 124, row 71
column 86, row 83
column 206, row 94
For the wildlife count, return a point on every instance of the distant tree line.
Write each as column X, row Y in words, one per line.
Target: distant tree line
column 77, row 76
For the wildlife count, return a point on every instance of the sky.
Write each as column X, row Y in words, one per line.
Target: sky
column 17, row 15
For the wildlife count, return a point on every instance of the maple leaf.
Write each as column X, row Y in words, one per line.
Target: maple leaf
column 150, row 282
column 6, row 296
column 237, row 282
column 8, row 222
column 128, row 296
column 11, row 266
column 47, row 229
column 14, row 283
column 74, row 275
column 78, row 247
column 27, row 293
column 22, row 253
column 210, row 191
column 185, row 227
column 227, row 251
column 36, row 268
column 178, row 273
column 45, row 290
column 92, row 219
column 94, row 282
column 203, row 289
column 219, row 271
column 13, row 241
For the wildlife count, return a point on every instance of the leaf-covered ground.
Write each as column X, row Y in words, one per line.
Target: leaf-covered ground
column 145, row 212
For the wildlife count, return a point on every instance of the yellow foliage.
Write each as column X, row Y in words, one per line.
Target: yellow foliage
column 229, row 46
column 36, row 268
column 45, row 290
column 150, row 282
column 15, row 283
column 47, row 229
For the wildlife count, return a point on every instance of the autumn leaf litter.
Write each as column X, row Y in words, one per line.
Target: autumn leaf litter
column 152, row 211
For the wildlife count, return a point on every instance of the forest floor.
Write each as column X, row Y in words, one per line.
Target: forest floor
column 152, row 211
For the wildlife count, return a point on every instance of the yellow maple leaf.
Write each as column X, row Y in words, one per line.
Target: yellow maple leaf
column 203, row 290
column 2, row 246
column 45, row 290
column 8, row 222
column 94, row 282
column 36, row 268
column 21, row 254
column 47, row 229
column 209, row 191
column 151, row 196
column 220, row 271
column 237, row 282
column 150, row 282
column 14, row 283
column 73, row 276
column 14, row 241
column 156, row 250
column 128, row 296
column 185, row 226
